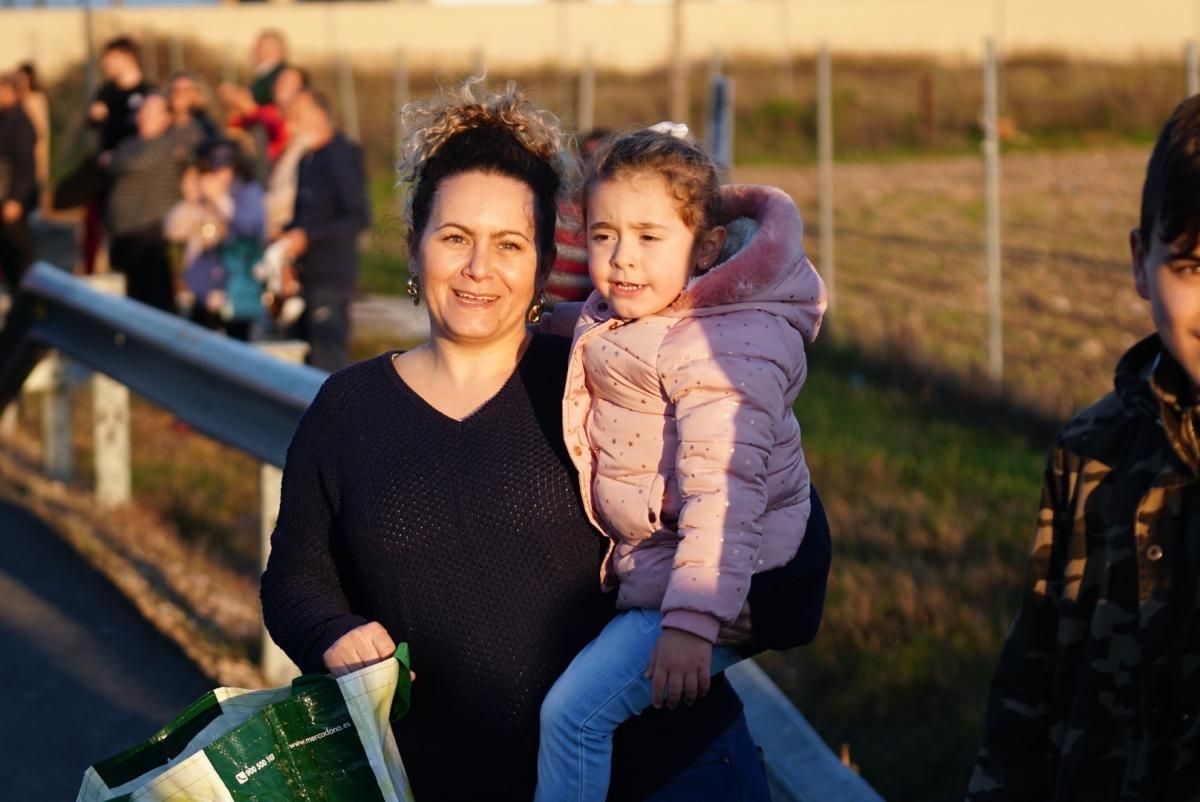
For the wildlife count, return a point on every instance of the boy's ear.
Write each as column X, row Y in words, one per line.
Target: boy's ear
column 1137, row 253
column 709, row 248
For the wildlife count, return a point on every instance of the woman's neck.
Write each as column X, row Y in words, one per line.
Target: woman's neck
column 458, row 378
column 468, row 363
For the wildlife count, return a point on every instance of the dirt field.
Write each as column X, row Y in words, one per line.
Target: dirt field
column 910, row 275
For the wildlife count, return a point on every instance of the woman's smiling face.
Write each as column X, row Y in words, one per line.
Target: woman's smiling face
column 476, row 258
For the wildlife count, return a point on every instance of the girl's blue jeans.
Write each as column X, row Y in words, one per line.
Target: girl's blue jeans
column 603, row 686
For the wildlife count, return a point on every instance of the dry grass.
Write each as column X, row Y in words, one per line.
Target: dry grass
column 931, row 494
column 910, row 277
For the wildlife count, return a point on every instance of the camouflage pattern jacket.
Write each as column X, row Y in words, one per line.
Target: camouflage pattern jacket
column 1096, row 694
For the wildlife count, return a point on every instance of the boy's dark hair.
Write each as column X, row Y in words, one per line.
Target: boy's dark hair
column 1171, row 194
column 123, row 44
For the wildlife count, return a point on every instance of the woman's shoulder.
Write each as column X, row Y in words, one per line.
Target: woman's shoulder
column 357, row 388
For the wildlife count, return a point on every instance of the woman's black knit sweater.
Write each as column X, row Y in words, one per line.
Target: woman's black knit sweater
column 466, row 539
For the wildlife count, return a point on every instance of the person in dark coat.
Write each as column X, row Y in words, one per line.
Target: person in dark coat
column 113, row 115
column 18, row 183
column 331, row 212
column 146, row 174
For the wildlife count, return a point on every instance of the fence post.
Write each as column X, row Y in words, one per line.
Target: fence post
column 110, row 421
column 90, row 81
column 8, row 420
column 825, row 170
column 276, row 667
column 587, row 94
column 679, row 95
column 991, row 154
column 719, row 131
column 400, row 99
column 150, row 55
column 349, row 99
column 1192, row 60
column 787, row 86
column 176, row 55
column 58, row 460
column 229, row 67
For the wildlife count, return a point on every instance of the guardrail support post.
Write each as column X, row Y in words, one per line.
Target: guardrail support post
column 276, row 667
column 57, row 457
column 110, row 421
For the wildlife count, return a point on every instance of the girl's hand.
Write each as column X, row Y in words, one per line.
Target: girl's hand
column 681, row 667
column 362, row 646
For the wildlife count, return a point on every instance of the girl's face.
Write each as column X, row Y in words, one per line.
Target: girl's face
column 476, row 259
column 640, row 252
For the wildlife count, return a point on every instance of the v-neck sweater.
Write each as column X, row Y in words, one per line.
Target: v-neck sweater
column 467, row 539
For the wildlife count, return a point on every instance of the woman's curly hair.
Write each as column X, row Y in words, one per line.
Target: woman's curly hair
column 494, row 132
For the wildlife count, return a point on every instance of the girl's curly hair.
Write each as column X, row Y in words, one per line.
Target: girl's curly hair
column 494, row 132
column 690, row 173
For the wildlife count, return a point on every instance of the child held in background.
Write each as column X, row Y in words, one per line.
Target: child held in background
column 220, row 222
column 678, row 416
column 1097, row 693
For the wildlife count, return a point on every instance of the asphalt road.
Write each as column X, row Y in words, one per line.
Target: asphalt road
column 84, row 675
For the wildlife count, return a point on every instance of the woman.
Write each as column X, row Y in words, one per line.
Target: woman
column 220, row 223
column 37, row 108
column 428, row 498
column 186, row 100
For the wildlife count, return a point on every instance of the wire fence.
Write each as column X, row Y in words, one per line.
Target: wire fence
column 819, row 109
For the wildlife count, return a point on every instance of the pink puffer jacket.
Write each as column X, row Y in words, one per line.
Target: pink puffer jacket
column 682, row 429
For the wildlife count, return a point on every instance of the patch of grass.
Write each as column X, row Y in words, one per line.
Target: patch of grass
column 931, row 499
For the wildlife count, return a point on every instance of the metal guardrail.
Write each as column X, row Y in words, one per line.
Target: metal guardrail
column 226, row 389
column 252, row 401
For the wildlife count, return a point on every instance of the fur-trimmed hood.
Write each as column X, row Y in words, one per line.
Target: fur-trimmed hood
column 763, row 262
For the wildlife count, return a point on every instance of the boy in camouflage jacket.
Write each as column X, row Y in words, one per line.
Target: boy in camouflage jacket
column 1097, row 693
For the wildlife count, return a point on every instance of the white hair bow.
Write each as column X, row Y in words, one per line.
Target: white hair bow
column 677, row 130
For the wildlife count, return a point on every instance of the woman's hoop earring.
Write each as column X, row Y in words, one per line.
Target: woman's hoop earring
column 535, row 312
column 414, row 288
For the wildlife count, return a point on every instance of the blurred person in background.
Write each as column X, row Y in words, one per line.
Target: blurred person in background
column 220, row 222
column 322, row 238
column 281, row 183
column 186, row 100
column 37, row 108
column 254, row 109
column 146, row 174
column 569, row 279
column 18, row 183
column 113, row 115
column 113, row 112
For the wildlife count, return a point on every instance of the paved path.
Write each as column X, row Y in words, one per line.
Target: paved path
column 85, row 676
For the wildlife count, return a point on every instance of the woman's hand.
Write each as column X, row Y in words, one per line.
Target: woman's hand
column 681, row 667
column 362, row 646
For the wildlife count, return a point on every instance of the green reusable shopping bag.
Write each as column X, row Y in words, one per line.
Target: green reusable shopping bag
column 320, row 738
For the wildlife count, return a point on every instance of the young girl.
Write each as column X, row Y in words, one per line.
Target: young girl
column 678, row 416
